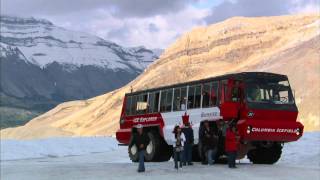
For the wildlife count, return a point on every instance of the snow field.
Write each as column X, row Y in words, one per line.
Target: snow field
column 55, row 147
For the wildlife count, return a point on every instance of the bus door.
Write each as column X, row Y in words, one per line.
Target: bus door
column 230, row 99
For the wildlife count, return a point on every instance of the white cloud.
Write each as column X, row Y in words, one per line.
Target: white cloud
column 255, row 8
column 152, row 23
column 305, row 6
column 135, row 31
column 168, row 27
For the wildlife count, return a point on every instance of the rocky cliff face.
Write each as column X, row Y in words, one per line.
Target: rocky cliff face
column 285, row 44
column 43, row 65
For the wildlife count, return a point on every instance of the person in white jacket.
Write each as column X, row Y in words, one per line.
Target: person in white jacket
column 178, row 146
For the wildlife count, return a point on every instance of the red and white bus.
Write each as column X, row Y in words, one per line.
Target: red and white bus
column 261, row 104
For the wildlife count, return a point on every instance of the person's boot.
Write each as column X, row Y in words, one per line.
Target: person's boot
column 190, row 163
column 175, row 165
column 180, row 164
column 204, row 162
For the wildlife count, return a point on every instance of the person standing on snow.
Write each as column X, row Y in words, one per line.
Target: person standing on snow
column 188, row 132
column 141, row 140
column 178, row 146
column 210, row 142
column 231, row 145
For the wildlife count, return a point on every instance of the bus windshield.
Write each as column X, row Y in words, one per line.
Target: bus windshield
column 269, row 92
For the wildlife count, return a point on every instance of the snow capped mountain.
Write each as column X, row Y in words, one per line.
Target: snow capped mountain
column 42, row 43
column 43, row 65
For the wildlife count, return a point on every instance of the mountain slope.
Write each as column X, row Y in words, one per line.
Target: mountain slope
column 285, row 44
column 43, row 65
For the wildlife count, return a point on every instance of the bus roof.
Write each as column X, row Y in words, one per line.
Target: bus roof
column 236, row 76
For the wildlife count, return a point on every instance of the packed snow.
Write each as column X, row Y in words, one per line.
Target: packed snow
column 55, row 147
column 102, row 158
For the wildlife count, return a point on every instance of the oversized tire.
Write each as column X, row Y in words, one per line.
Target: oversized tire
column 265, row 155
column 166, row 151
column 153, row 148
column 133, row 152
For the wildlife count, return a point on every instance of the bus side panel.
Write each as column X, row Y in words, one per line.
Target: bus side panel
column 196, row 116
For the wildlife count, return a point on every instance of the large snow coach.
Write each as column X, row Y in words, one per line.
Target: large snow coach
column 261, row 104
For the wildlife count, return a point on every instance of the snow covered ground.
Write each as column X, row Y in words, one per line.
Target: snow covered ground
column 101, row 158
column 55, row 147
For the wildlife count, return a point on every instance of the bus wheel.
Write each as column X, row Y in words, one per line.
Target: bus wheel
column 153, row 148
column 166, row 153
column 265, row 155
column 133, row 153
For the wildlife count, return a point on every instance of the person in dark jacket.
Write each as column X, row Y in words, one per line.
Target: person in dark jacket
column 210, row 142
column 231, row 145
column 222, row 128
column 178, row 146
column 188, row 133
column 141, row 140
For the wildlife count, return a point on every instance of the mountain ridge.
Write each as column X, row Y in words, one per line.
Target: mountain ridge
column 51, row 40
column 43, row 65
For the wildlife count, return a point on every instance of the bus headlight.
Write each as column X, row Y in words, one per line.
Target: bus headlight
column 298, row 131
column 249, row 128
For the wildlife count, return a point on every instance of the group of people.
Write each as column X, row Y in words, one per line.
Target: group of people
column 210, row 137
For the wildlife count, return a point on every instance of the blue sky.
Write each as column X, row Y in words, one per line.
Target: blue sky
column 151, row 23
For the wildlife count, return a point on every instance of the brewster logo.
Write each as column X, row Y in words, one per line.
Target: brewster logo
column 144, row 119
column 210, row 114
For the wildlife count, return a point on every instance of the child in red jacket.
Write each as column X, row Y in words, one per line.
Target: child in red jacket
column 231, row 146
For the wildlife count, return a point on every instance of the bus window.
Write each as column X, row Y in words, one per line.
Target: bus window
column 169, row 100
column 133, row 105
column 235, row 94
column 163, row 100
column 190, row 97
column 151, row 102
column 177, row 99
column 210, row 94
column 224, row 91
column 142, row 104
column 214, row 94
column 194, row 96
column 128, row 104
column 197, row 96
column 156, row 101
column 206, row 95
column 183, row 98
